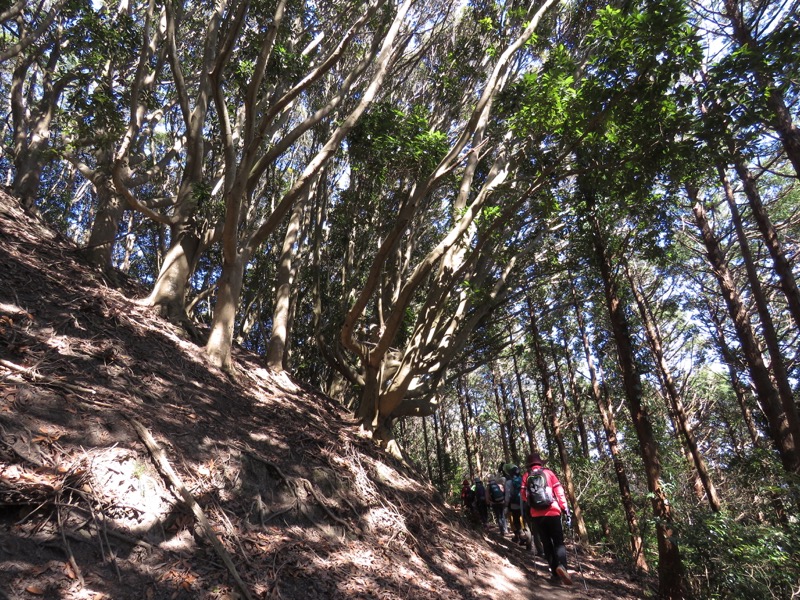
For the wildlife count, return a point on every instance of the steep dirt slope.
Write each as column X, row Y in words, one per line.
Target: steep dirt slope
column 129, row 469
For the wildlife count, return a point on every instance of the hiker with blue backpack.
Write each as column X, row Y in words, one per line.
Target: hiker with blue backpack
column 496, row 498
column 514, row 504
column 545, row 497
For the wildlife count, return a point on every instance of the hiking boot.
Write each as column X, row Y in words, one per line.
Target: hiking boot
column 554, row 580
column 562, row 574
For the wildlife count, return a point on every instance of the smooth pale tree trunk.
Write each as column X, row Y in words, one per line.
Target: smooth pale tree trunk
column 283, row 291
column 31, row 124
column 653, row 335
column 235, row 258
column 671, row 577
column 229, row 289
column 110, row 208
column 170, row 290
column 555, row 425
column 766, row 393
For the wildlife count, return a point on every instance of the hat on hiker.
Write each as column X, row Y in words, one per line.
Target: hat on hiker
column 534, row 459
column 491, row 477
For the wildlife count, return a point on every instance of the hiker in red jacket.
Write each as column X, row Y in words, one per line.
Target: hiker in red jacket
column 544, row 495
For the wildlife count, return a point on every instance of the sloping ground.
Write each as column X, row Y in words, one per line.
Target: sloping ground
column 129, row 469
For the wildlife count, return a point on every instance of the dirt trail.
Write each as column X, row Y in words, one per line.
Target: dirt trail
column 297, row 504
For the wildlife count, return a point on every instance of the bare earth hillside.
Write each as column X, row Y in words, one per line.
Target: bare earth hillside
column 130, row 469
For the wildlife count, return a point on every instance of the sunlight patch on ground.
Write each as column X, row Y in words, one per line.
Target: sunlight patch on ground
column 13, row 309
column 138, row 492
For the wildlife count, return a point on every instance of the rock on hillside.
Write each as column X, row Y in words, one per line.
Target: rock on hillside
column 130, row 469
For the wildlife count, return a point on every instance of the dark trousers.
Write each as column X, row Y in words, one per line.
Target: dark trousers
column 535, row 539
column 552, row 534
column 483, row 512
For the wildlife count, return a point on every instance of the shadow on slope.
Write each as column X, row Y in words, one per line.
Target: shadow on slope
column 301, row 506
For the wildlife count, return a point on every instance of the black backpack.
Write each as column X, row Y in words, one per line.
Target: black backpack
column 539, row 493
column 480, row 493
column 495, row 492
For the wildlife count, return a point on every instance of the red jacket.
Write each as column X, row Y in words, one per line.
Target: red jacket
column 559, row 503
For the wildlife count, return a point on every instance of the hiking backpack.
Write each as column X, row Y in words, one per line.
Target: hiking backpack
column 516, row 488
column 495, row 492
column 468, row 496
column 480, row 493
column 539, row 493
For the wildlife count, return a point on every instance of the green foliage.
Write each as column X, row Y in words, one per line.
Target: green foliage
column 388, row 139
column 732, row 558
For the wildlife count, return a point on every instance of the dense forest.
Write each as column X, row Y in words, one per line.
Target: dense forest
column 486, row 228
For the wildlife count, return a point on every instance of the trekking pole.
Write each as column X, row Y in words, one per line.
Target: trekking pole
column 577, row 560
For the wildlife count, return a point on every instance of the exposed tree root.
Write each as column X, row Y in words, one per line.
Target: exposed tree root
column 166, row 469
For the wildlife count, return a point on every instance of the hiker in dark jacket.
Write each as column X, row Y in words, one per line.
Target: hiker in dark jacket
column 496, row 498
column 514, row 504
column 480, row 502
column 547, row 515
column 467, row 497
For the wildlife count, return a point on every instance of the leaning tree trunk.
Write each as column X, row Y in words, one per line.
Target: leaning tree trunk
column 610, row 429
column 671, row 578
column 653, row 336
column 777, row 363
column 765, row 391
column 733, row 374
column 783, row 268
column 781, row 115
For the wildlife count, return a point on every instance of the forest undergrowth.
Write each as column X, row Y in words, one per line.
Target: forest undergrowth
column 130, row 468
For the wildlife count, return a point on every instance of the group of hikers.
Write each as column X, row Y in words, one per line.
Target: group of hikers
column 528, row 503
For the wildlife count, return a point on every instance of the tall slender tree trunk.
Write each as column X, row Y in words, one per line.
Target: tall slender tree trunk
column 427, row 448
column 777, row 363
column 577, row 401
column 783, row 268
column 610, row 428
column 508, row 407
column 733, row 375
column 781, row 115
column 674, row 397
column 466, row 426
column 558, row 438
column 276, row 349
column 533, row 445
column 671, row 578
column 501, row 411
column 765, row 391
